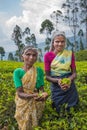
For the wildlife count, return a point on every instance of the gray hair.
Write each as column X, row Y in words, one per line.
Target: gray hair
column 54, row 34
column 27, row 48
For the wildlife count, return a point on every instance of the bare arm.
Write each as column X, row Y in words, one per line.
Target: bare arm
column 74, row 75
column 73, row 68
column 51, row 79
column 23, row 95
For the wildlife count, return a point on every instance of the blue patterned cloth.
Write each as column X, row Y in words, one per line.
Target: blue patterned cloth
column 60, row 97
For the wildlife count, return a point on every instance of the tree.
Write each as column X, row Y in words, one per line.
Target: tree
column 27, row 36
column 83, row 5
column 69, row 44
column 40, row 56
column 17, row 38
column 10, row 56
column 47, row 41
column 47, row 28
column 30, row 39
column 81, row 34
column 17, row 35
column 71, row 16
column 21, row 38
column 33, row 40
column 2, row 52
column 56, row 16
column 26, row 31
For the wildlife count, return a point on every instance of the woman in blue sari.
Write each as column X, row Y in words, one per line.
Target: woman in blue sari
column 60, row 64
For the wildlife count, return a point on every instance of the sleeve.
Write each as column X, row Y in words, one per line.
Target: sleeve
column 17, row 79
column 73, row 66
column 40, row 78
column 46, row 62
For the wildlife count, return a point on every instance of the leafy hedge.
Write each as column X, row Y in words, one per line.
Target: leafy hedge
column 81, row 55
column 75, row 120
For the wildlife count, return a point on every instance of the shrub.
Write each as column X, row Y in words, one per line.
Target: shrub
column 81, row 55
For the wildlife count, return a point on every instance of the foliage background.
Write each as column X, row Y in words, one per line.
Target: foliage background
column 75, row 120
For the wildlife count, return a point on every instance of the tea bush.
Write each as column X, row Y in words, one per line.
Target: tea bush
column 76, row 119
column 81, row 55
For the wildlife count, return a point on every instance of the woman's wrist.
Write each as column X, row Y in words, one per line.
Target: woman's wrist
column 29, row 96
column 72, row 77
column 55, row 80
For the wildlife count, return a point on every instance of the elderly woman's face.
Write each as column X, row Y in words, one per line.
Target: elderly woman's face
column 29, row 57
column 59, row 43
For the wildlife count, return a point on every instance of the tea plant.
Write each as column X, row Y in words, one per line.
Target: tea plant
column 76, row 119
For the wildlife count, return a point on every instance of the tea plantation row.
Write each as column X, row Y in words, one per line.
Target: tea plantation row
column 75, row 120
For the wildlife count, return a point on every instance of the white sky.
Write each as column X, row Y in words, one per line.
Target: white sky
column 25, row 13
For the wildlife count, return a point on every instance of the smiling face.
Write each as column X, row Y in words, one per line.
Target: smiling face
column 29, row 57
column 59, row 43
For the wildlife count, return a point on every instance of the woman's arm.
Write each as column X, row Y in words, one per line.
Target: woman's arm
column 23, row 95
column 74, row 75
column 51, row 79
column 73, row 68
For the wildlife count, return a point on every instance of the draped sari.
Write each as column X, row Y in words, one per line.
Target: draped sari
column 60, row 68
column 28, row 111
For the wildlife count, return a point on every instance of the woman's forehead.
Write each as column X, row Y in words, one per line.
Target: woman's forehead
column 30, row 51
column 59, row 37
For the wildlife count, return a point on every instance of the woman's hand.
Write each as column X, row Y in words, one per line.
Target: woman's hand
column 65, row 83
column 42, row 97
column 64, row 86
column 59, row 81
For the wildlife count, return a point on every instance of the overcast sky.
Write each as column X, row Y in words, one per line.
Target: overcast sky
column 25, row 13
